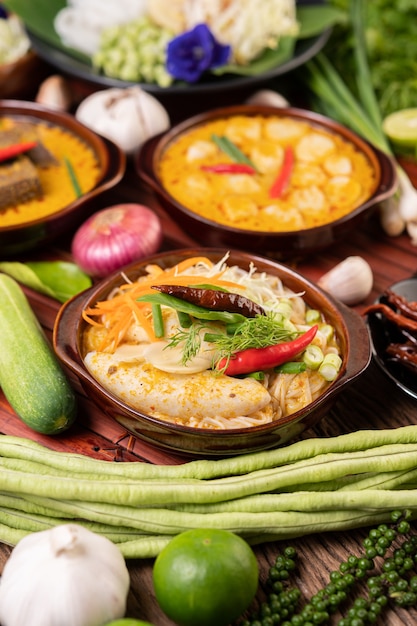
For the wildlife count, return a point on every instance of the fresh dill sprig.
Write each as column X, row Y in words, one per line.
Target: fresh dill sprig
column 255, row 332
column 191, row 338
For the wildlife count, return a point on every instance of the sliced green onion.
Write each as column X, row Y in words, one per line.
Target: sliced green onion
column 330, row 366
column 327, row 331
column 158, row 322
column 292, row 367
column 313, row 356
column 73, row 177
column 284, row 307
column 229, row 148
column 313, row 316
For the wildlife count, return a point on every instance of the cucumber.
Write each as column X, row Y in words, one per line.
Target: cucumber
column 31, row 376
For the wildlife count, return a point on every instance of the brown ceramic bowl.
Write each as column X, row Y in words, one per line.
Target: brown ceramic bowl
column 112, row 162
column 280, row 245
column 21, row 77
column 350, row 328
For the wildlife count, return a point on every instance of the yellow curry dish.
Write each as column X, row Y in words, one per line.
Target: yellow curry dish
column 210, row 345
column 266, row 173
column 43, row 169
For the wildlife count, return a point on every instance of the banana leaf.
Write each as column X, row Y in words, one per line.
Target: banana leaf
column 38, row 17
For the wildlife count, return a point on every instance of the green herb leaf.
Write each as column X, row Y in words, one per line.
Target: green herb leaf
column 73, row 177
column 194, row 310
column 229, row 148
column 254, row 332
column 57, row 279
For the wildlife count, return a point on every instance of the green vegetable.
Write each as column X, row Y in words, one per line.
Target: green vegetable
column 316, row 485
column 194, row 310
column 73, row 177
column 30, row 375
column 292, row 367
column 232, row 151
column 135, row 51
column 58, row 279
column 390, row 33
column 158, row 321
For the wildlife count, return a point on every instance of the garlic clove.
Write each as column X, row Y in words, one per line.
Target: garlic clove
column 55, row 93
column 268, row 97
column 350, row 281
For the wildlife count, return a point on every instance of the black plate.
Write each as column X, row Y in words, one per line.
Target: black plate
column 305, row 49
column 383, row 332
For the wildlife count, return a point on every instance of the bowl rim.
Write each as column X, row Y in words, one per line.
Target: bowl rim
column 67, row 346
column 382, row 164
column 112, row 166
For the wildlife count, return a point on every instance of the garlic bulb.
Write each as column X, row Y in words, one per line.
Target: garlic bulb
column 126, row 116
column 350, row 281
column 268, row 97
column 63, row 576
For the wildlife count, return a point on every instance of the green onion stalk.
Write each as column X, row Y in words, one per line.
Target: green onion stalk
column 362, row 114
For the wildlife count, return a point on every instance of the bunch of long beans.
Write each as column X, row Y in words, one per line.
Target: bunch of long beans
column 315, row 485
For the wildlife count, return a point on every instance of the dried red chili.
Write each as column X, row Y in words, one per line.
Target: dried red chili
column 400, row 320
column 255, row 359
column 213, row 299
column 407, row 308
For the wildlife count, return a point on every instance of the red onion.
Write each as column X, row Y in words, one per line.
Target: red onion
column 114, row 237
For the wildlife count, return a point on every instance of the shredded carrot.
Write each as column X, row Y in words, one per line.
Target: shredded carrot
column 118, row 312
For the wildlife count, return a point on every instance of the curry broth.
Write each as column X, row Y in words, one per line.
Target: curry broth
column 329, row 177
column 57, row 188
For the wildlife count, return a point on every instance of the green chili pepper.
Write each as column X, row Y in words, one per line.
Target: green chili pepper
column 57, row 279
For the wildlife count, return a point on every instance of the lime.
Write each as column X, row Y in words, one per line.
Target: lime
column 205, row 577
column 401, row 127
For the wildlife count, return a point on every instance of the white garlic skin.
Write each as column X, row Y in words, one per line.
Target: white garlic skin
column 350, row 281
column 128, row 117
column 63, row 576
column 268, row 97
column 54, row 93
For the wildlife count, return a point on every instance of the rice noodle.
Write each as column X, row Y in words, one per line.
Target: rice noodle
column 249, row 26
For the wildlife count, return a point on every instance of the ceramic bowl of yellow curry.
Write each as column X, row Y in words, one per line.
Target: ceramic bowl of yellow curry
column 282, row 182
column 52, row 169
column 211, row 352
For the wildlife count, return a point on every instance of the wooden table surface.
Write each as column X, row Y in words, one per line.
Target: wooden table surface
column 371, row 402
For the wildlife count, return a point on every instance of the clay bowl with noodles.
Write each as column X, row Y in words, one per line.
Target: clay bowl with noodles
column 281, row 182
column 166, row 419
column 48, row 190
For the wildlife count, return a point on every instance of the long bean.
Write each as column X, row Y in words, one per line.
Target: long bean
column 362, row 440
column 157, row 491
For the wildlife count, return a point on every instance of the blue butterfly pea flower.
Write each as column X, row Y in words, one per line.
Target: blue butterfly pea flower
column 194, row 52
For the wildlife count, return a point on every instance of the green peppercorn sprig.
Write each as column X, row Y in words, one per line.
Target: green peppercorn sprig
column 388, row 575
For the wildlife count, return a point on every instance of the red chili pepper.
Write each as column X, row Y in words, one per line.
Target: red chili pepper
column 284, row 175
column 229, row 168
column 254, row 359
column 8, row 152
